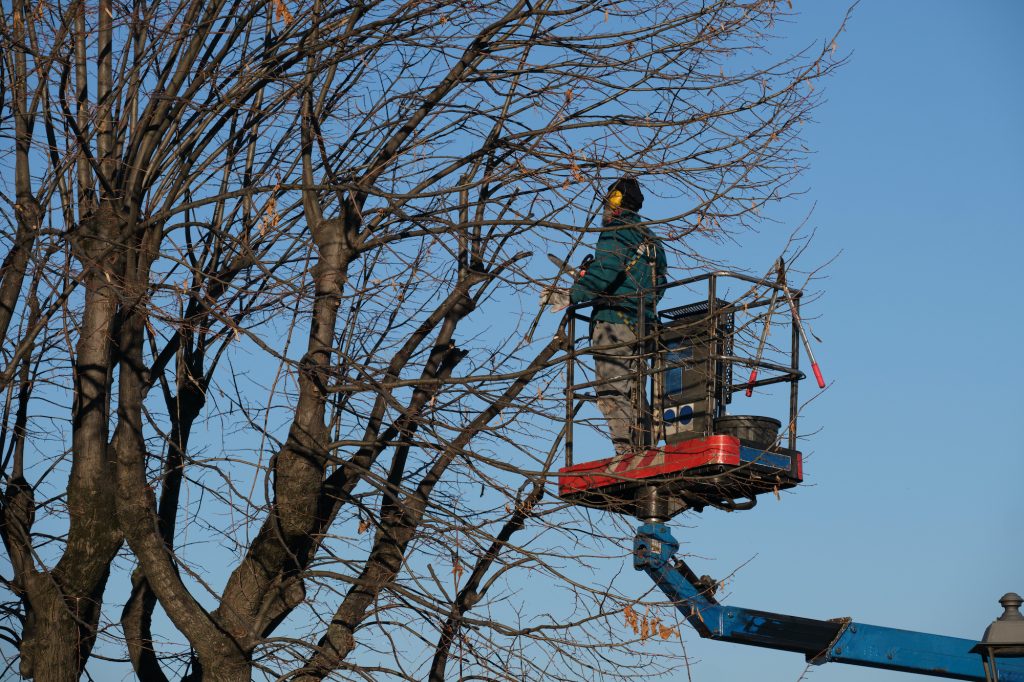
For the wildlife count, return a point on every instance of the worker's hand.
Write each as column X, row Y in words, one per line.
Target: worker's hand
column 556, row 297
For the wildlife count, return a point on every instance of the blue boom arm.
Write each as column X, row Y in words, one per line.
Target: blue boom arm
column 841, row 640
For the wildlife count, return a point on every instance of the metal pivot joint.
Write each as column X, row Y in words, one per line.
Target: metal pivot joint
column 652, row 505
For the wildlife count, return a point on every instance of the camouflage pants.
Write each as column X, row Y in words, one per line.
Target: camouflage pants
column 617, row 369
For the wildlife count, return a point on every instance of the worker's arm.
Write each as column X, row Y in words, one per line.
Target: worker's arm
column 661, row 268
column 605, row 269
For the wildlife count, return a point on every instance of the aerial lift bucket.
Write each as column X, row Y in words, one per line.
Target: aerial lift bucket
column 691, row 453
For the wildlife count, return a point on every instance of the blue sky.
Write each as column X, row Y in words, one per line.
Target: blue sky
column 910, row 516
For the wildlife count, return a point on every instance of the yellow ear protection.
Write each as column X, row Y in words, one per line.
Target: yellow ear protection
column 615, row 199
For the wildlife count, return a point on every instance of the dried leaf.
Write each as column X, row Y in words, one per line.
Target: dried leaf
column 281, row 11
column 631, row 619
column 271, row 218
column 525, row 508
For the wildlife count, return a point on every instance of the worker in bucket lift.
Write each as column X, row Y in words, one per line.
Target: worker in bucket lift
column 628, row 262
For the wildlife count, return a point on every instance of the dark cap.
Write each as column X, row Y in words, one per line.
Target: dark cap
column 632, row 197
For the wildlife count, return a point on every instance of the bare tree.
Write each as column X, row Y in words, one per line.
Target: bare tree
column 308, row 226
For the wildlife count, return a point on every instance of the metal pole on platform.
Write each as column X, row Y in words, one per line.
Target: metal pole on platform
column 711, row 364
column 794, row 399
column 570, row 380
column 636, row 435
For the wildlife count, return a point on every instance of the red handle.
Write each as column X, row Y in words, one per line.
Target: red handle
column 817, row 375
column 753, row 375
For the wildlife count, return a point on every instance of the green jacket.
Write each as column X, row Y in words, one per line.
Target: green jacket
column 621, row 270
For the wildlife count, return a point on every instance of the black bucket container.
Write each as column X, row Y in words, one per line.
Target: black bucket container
column 760, row 432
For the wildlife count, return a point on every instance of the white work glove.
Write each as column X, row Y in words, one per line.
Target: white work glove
column 556, row 297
